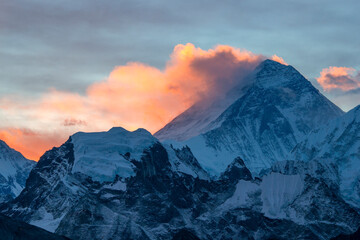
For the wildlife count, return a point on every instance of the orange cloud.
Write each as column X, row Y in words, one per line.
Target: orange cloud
column 278, row 59
column 197, row 74
column 134, row 95
column 140, row 95
column 342, row 78
column 31, row 144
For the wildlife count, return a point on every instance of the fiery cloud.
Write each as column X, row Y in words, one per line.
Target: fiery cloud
column 278, row 59
column 141, row 95
column 134, row 95
column 31, row 144
column 342, row 78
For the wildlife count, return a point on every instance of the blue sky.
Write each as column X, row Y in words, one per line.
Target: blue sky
column 69, row 44
column 53, row 54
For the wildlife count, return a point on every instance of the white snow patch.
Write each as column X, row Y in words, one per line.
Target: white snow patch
column 16, row 189
column 179, row 166
column 278, row 191
column 198, row 118
column 240, row 198
column 46, row 220
column 212, row 161
column 350, row 181
column 100, row 155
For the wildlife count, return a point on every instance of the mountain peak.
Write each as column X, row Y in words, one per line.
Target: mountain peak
column 236, row 170
column 269, row 66
column 272, row 74
column 285, row 88
column 123, row 130
column 114, row 132
column 117, row 129
column 103, row 155
column 268, row 63
column 142, row 131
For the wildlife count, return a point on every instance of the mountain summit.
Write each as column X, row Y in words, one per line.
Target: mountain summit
column 270, row 74
column 261, row 122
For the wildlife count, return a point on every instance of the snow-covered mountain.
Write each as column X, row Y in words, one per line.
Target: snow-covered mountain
column 128, row 185
column 198, row 118
column 14, row 170
column 337, row 143
column 276, row 110
column 286, row 162
column 89, row 163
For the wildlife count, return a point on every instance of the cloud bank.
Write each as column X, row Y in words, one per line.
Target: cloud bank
column 134, row 95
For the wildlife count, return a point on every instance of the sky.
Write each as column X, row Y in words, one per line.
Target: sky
column 69, row 66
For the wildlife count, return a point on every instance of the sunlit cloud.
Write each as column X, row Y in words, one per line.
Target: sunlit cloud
column 134, row 95
column 30, row 143
column 278, row 59
column 341, row 78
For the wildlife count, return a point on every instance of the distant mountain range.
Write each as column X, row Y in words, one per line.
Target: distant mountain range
column 14, row 170
column 272, row 159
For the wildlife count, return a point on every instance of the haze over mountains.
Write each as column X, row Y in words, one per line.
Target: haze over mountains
column 271, row 159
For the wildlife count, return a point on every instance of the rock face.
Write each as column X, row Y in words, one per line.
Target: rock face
column 16, row 230
column 270, row 116
column 14, row 170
